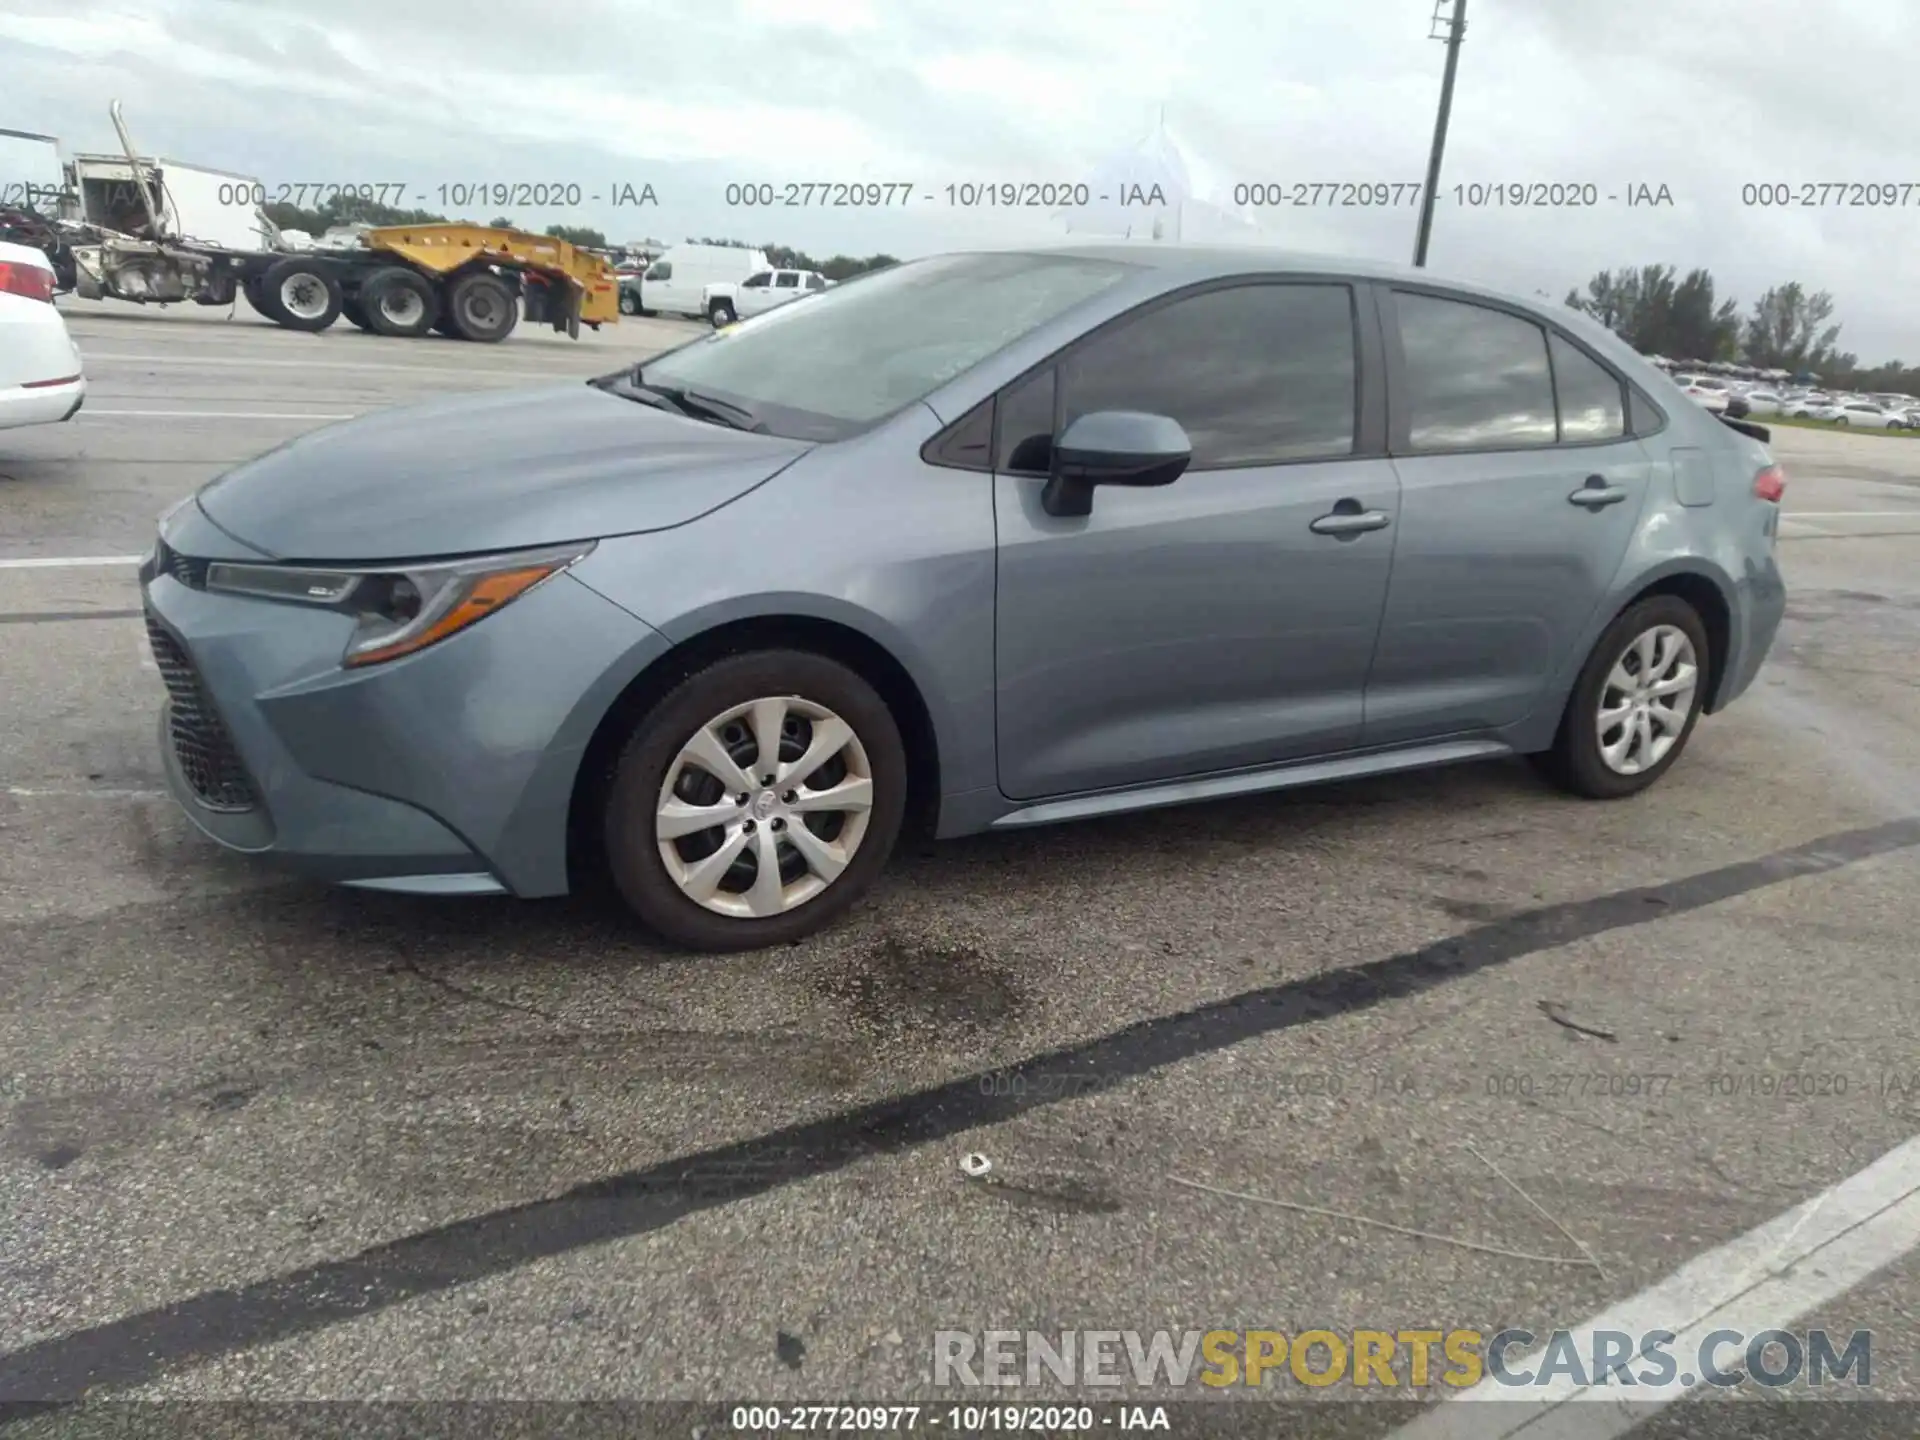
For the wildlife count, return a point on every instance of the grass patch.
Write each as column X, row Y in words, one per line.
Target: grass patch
column 1832, row 425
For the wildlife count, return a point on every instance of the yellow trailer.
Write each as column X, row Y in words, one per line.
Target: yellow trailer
column 467, row 281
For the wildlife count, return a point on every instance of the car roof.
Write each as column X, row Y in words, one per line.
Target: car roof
column 1181, row 264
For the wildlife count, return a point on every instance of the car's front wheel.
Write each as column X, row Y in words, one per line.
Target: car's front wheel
column 756, row 802
column 1635, row 704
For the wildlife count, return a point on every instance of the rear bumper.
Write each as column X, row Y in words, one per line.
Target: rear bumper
column 41, row 404
column 447, row 772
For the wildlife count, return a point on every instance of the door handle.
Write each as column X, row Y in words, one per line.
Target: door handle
column 1597, row 494
column 1348, row 520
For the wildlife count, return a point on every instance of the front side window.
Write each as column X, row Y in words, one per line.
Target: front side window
column 662, row 271
column 865, row 350
column 760, row 281
column 1256, row 374
column 1591, row 404
column 1024, row 425
column 1476, row 378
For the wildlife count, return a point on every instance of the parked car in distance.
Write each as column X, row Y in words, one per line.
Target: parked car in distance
column 981, row 541
column 1861, row 413
column 1763, row 402
column 727, row 301
column 1705, row 391
column 42, row 380
column 675, row 284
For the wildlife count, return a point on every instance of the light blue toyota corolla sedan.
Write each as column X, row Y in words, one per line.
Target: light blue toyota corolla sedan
column 979, row 541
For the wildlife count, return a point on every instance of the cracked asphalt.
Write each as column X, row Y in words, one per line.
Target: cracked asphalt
column 263, row 1141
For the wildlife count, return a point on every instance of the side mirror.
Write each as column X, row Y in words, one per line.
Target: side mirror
column 1113, row 447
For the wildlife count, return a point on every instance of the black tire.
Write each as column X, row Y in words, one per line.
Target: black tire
column 445, row 326
column 256, row 297
column 1839, row 419
column 632, row 851
column 1574, row 763
column 351, row 312
column 319, row 290
column 482, row 307
column 629, row 303
column 721, row 313
column 399, row 302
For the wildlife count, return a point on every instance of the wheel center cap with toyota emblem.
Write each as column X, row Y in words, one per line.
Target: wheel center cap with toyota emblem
column 764, row 804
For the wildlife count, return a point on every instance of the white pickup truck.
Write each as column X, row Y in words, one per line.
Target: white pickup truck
column 728, row 301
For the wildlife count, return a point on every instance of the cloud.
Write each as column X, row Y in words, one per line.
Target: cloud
column 1704, row 99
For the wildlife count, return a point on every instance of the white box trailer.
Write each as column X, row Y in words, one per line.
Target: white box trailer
column 214, row 207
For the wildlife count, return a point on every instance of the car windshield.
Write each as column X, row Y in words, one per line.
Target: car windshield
column 865, row 349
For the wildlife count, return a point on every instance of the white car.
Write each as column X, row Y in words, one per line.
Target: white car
column 41, row 380
column 1862, row 413
column 1705, row 391
column 1764, row 402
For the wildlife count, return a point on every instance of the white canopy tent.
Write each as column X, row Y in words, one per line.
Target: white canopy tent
column 1158, row 190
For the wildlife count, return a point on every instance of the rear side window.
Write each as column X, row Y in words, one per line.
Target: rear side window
column 816, row 282
column 1476, row 378
column 1257, row 374
column 1592, row 405
column 786, row 280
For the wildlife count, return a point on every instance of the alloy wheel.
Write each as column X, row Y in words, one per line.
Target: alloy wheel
column 1647, row 699
column 763, row 807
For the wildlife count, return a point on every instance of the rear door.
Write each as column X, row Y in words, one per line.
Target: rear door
column 786, row 286
column 1520, row 489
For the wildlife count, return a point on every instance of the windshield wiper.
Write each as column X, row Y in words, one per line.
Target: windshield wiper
column 709, row 407
column 688, row 402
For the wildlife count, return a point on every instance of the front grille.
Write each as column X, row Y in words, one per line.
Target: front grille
column 200, row 741
column 184, row 568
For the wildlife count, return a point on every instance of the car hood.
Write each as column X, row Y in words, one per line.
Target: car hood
column 494, row 471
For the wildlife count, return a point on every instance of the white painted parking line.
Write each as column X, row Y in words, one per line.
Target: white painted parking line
column 69, row 562
column 214, row 415
column 79, row 792
column 1765, row 1279
column 198, row 361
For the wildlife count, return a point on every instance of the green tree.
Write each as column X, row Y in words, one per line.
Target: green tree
column 1659, row 314
column 582, row 235
column 503, row 222
column 1788, row 330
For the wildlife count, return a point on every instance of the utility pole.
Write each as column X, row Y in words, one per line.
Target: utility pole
column 1450, row 29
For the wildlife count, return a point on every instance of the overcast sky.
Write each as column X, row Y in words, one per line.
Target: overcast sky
column 690, row 95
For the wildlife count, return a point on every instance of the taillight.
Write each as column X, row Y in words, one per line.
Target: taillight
column 1770, row 484
column 32, row 281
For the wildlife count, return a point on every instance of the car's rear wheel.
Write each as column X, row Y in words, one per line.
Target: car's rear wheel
column 756, row 802
column 1635, row 704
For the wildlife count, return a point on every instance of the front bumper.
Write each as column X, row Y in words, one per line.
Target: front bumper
column 447, row 771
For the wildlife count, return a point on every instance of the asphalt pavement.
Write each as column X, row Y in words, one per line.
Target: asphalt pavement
column 1442, row 1051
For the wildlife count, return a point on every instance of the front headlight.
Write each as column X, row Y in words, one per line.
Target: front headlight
column 404, row 608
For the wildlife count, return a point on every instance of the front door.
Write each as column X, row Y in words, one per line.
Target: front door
column 1520, row 490
column 1206, row 625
